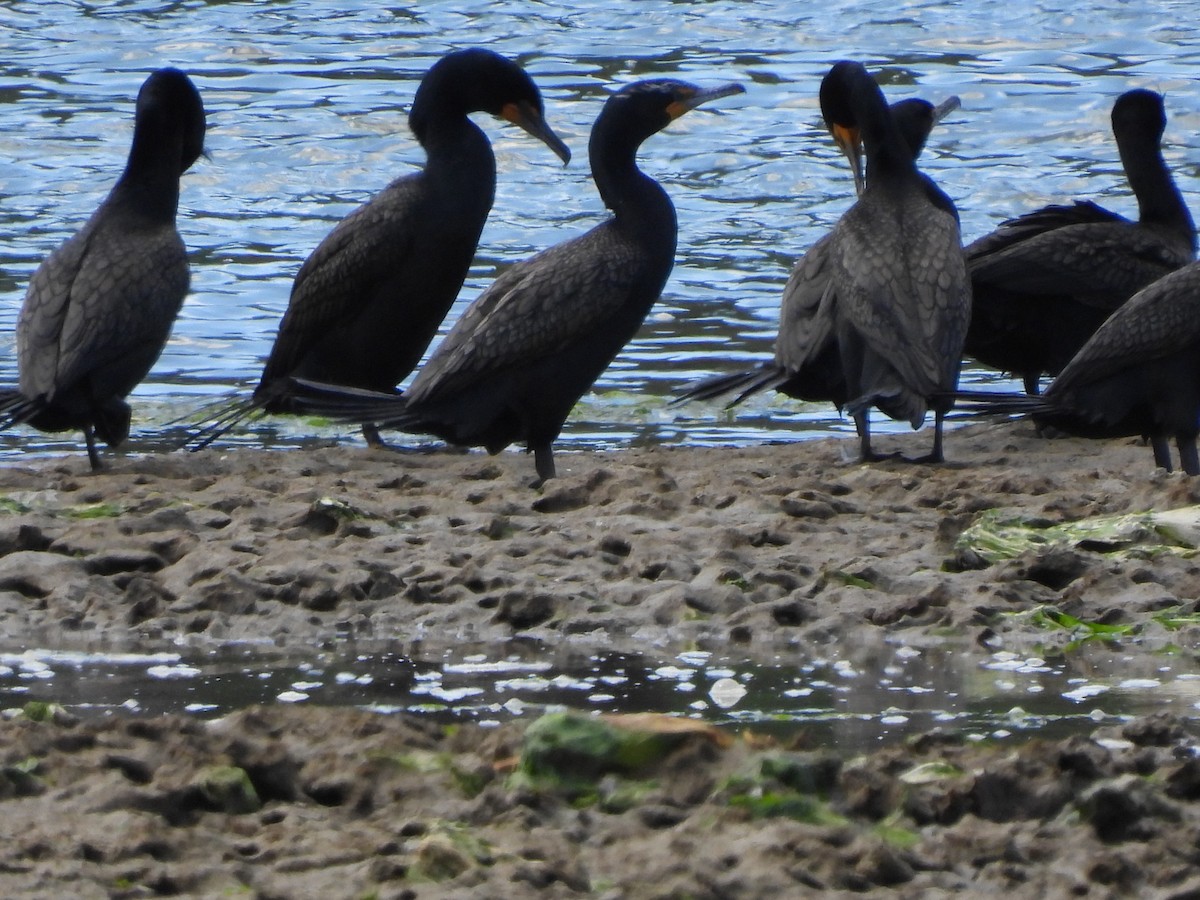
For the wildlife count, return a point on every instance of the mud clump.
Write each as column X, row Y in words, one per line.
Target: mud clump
column 289, row 801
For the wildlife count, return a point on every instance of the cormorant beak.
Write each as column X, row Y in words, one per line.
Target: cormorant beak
column 850, row 143
column 685, row 103
column 524, row 116
column 947, row 106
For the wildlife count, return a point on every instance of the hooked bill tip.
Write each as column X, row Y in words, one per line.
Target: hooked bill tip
column 947, row 106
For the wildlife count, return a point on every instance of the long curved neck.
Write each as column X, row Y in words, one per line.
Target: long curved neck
column 638, row 201
column 460, row 161
column 1159, row 200
column 890, row 158
column 150, row 183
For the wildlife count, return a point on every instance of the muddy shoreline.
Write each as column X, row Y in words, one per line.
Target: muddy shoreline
column 753, row 553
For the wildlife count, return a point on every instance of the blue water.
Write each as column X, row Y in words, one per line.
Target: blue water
column 306, row 107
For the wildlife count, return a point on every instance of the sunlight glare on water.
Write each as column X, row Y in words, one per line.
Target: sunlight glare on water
column 873, row 695
column 307, row 106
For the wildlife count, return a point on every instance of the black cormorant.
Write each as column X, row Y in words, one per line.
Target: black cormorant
column 99, row 309
column 897, row 271
column 1139, row 374
column 807, row 364
column 1045, row 281
column 528, row 348
column 368, row 301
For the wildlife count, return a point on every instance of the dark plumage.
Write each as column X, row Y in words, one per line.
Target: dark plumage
column 525, row 351
column 807, row 363
column 99, row 309
column 1139, row 374
column 368, row 301
column 1045, row 281
column 903, row 298
column 896, row 269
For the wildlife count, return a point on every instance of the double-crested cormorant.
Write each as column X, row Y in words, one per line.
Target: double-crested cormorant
column 368, row 301
column 99, row 309
column 1045, row 281
column 528, row 348
column 1139, row 374
column 896, row 268
column 807, row 364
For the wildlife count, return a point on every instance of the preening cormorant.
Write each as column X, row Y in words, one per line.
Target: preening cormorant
column 528, row 348
column 1139, row 374
column 807, row 364
column 1045, row 281
column 99, row 309
column 896, row 268
column 369, row 299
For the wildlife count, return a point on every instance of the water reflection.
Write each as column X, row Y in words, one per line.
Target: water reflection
column 307, row 103
column 878, row 694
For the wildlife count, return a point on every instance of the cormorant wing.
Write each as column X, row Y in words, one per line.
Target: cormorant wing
column 806, row 314
column 1039, row 221
column 1158, row 321
column 1099, row 264
column 534, row 309
column 340, row 276
column 102, row 316
column 44, row 314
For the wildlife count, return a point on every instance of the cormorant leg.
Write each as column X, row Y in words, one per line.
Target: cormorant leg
column 543, row 461
column 93, row 456
column 370, row 433
column 935, row 455
column 1162, row 452
column 1188, row 459
column 862, row 424
column 1031, row 380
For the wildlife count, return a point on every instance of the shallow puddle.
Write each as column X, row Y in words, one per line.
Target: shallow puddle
column 880, row 695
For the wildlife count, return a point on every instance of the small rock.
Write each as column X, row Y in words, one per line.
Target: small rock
column 136, row 770
column 1184, row 782
column 807, row 509
column 615, row 545
column 1056, row 568
column 34, row 574
column 1157, row 730
column 869, row 792
column 1010, row 796
column 813, row 772
column 521, row 610
column 883, row 866
column 713, row 599
column 563, row 499
column 228, row 789
column 790, row 611
column 497, row 528
column 486, row 471
column 658, row 816
column 440, row 859
column 16, row 536
column 1120, row 808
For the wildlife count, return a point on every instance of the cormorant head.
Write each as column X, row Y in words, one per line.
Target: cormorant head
column 838, row 112
column 478, row 80
column 848, row 94
column 645, row 107
column 915, row 118
column 169, row 104
column 1139, row 112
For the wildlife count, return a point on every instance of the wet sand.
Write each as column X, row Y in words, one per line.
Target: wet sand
column 748, row 551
